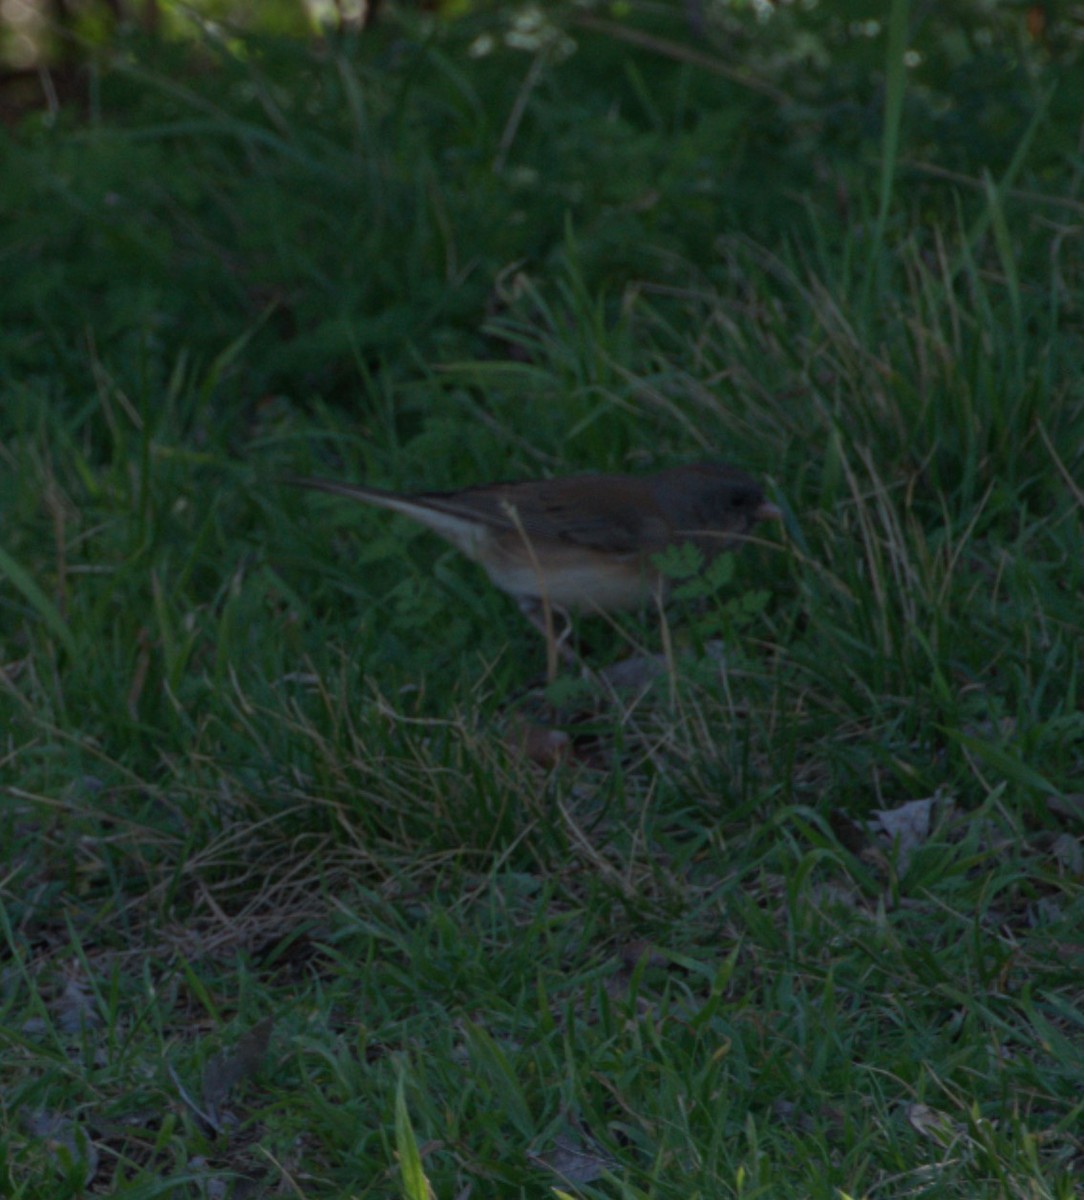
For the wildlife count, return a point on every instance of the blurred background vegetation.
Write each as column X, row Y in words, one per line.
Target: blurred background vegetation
column 342, row 193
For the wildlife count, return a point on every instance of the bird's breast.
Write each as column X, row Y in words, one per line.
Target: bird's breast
column 571, row 577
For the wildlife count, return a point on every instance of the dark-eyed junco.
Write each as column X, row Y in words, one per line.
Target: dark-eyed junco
column 582, row 542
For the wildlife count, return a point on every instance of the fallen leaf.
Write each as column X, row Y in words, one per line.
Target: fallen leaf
column 573, row 1162
column 1069, row 804
column 1068, row 853
column 76, row 1009
column 223, row 1072
column 935, row 1125
column 906, row 828
column 66, row 1141
column 539, row 744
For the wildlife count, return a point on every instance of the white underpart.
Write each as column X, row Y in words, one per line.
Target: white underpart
column 576, row 580
column 576, row 585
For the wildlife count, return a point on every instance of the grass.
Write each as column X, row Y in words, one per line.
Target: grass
column 286, row 907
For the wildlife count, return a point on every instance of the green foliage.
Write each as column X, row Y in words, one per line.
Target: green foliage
column 264, row 750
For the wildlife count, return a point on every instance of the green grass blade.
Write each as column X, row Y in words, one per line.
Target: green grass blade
column 895, row 86
column 38, row 601
column 415, row 1184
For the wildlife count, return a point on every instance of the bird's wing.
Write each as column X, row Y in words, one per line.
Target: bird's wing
column 619, row 518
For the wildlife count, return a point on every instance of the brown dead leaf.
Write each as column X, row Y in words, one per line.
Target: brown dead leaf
column 544, row 746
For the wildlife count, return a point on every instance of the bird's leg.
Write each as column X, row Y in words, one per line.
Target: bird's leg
column 540, row 611
column 540, row 614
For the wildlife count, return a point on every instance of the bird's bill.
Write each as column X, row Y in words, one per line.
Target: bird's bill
column 767, row 511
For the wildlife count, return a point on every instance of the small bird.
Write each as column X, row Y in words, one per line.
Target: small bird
column 581, row 542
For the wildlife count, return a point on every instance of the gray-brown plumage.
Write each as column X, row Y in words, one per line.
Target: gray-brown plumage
column 582, row 542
